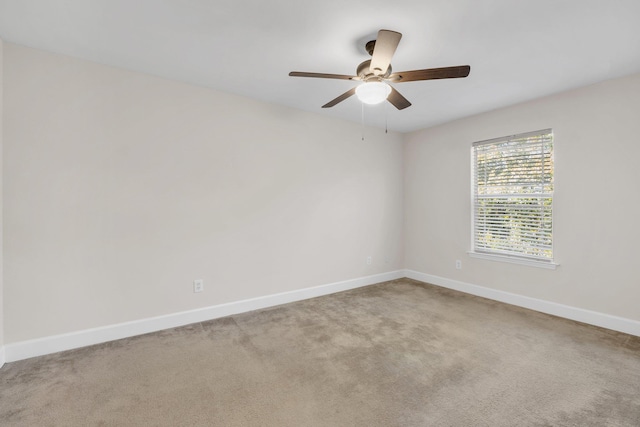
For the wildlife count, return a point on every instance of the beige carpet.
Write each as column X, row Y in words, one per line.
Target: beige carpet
column 400, row 353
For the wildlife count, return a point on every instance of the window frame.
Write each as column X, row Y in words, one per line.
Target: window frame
column 514, row 257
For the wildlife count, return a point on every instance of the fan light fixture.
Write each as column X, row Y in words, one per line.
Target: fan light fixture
column 373, row 92
column 376, row 72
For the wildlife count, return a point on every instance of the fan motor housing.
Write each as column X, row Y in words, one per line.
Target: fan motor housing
column 364, row 72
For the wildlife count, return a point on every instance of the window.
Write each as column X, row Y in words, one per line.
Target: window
column 513, row 198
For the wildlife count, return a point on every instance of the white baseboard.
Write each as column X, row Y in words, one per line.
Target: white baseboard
column 595, row 318
column 47, row 345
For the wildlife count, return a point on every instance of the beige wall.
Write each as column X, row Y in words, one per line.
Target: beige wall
column 1, row 202
column 596, row 205
column 122, row 188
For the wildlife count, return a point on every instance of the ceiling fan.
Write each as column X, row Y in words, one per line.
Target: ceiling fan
column 376, row 72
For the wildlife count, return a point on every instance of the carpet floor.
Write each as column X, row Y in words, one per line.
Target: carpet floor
column 400, row 353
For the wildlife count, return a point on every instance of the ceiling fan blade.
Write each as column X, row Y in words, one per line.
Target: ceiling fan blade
column 430, row 74
column 385, row 47
column 323, row 76
column 398, row 101
column 341, row 98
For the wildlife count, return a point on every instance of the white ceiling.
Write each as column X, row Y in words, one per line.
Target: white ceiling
column 518, row 49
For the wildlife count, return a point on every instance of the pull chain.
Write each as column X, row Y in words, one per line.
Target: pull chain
column 386, row 130
column 362, row 104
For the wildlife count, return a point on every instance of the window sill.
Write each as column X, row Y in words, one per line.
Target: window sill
column 514, row 260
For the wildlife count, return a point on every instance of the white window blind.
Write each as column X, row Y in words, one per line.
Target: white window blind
column 513, row 196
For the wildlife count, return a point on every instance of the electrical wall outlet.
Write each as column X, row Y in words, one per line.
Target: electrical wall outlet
column 198, row 285
column 369, row 260
column 458, row 264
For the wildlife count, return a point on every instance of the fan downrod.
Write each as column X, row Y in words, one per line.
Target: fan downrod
column 371, row 44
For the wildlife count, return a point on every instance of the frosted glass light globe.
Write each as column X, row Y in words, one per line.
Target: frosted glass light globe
column 373, row 92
